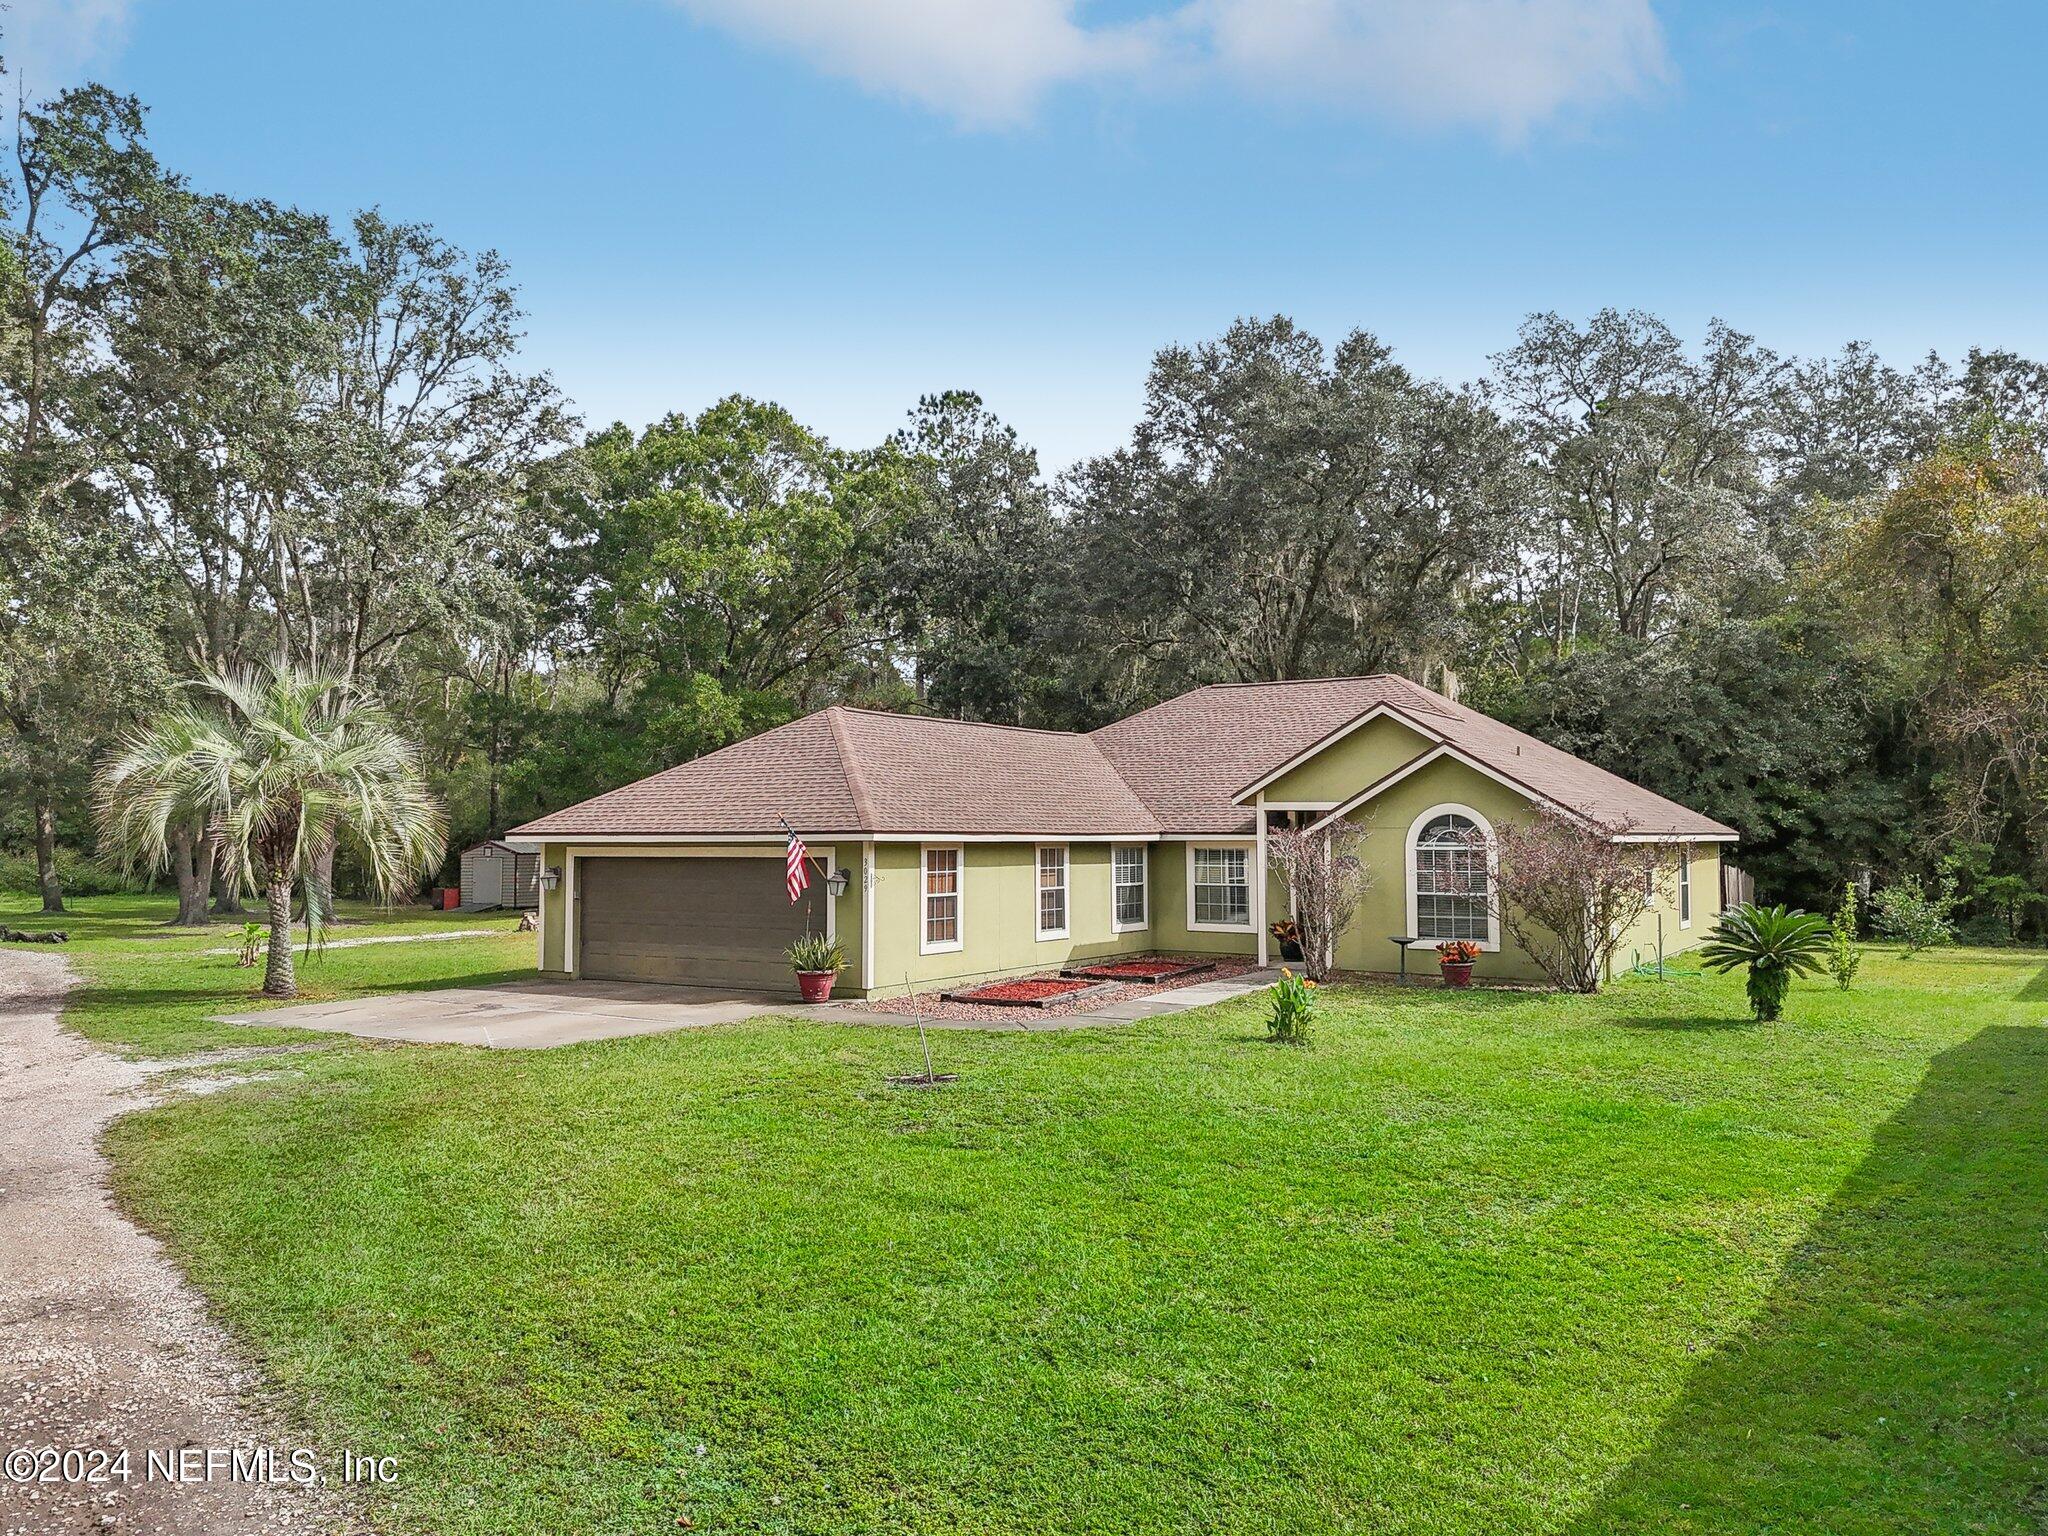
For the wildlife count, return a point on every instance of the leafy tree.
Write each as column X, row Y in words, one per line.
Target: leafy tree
column 395, row 521
column 1774, row 943
column 78, row 656
column 218, row 328
column 85, row 194
column 1839, row 428
column 275, row 754
column 1282, row 513
column 1649, row 466
column 401, row 507
column 728, row 565
column 1777, row 727
column 971, row 567
column 1908, row 913
column 1945, row 580
column 2005, row 900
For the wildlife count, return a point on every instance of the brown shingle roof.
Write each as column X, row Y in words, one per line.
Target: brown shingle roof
column 1189, row 757
column 859, row 770
column 1175, row 768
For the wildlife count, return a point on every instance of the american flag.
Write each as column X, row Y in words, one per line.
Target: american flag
column 796, row 869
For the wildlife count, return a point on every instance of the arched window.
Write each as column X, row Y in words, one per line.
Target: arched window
column 1450, row 884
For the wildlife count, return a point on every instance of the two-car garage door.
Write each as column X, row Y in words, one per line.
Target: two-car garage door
column 699, row 922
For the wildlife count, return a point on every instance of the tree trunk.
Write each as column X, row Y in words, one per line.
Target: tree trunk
column 227, row 900
column 46, row 852
column 320, row 880
column 278, row 978
column 192, row 863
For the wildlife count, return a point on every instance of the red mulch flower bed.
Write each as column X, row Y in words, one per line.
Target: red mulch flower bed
column 1142, row 970
column 1027, row 991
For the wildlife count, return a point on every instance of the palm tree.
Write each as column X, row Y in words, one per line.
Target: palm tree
column 1775, row 943
column 279, row 757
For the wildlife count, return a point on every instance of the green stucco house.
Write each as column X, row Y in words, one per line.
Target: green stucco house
column 947, row 850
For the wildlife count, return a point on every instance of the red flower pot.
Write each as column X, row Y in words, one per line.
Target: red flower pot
column 1456, row 973
column 816, row 986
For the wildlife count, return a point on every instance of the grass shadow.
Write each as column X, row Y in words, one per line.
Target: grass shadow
column 441, row 983
column 1686, row 1021
column 1893, row 1381
column 2036, row 989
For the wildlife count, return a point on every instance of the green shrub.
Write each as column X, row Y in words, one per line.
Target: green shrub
column 815, row 952
column 1294, row 1009
column 1909, row 913
column 79, row 873
column 1845, row 955
column 1775, row 943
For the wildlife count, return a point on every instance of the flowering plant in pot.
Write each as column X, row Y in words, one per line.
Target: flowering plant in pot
column 1287, row 934
column 1456, row 957
column 817, row 962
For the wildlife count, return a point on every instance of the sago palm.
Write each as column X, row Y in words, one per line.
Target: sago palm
column 1776, row 944
column 277, row 756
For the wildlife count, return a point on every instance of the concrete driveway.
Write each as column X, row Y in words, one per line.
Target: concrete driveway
column 527, row 1015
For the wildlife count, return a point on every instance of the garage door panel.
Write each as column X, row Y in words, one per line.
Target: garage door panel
column 703, row 922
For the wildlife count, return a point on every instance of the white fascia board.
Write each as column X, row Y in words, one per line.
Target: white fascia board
column 778, row 840
column 1679, row 837
column 1013, row 837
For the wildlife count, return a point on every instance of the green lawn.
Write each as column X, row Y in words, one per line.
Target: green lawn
column 1476, row 1264
column 149, row 989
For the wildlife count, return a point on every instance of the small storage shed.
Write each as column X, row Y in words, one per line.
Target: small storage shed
column 501, row 874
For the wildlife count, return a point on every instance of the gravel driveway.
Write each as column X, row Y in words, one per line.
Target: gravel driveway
column 102, row 1343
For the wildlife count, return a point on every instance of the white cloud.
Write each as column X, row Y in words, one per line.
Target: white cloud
column 49, row 44
column 985, row 62
column 1503, row 64
column 1507, row 64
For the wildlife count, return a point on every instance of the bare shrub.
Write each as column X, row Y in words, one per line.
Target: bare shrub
column 1325, row 878
column 1568, row 891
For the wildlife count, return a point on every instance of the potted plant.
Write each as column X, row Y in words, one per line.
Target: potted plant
column 1456, row 957
column 817, row 962
column 1287, row 934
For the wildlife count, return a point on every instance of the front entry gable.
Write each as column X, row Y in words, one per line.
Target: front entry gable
column 1339, row 768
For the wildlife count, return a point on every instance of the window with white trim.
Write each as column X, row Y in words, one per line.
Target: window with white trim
column 1453, row 886
column 941, row 898
column 1684, row 885
column 1052, row 891
column 1222, row 887
column 1127, row 887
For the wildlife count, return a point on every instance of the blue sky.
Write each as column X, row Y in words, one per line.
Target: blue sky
column 840, row 204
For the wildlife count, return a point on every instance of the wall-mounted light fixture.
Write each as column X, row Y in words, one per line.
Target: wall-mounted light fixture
column 837, row 882
column 550, row 878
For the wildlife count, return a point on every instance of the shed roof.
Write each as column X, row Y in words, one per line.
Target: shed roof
column 502, row 845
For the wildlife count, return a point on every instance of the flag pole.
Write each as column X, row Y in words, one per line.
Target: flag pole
column 809, row 911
